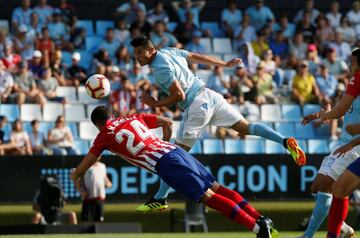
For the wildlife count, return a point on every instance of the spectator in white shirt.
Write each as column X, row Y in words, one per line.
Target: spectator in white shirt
column 157, row 14
column 348, row 31
column 342, row 48
column 309, row 7
column 334, row 16
column 244, row 33
column 354, row 14
column 230, row 18
column 61, row 139
column 4, row 41
column 298, row 47
column 6, row 83
column 20, row 139
column 121, row 32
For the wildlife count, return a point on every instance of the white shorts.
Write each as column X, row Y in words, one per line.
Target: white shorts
column 334, row 166
column 208, row 108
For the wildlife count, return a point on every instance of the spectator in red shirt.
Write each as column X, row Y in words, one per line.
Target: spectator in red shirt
column 10, row 59
column 45, row 45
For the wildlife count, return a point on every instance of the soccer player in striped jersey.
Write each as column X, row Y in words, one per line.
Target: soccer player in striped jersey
column 131, row 139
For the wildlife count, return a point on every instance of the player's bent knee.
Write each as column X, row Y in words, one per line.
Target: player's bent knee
column 215, row 186
column 207, row 195
column 241, row 126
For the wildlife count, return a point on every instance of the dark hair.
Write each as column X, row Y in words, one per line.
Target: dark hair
column 142, row 40
column 100, row 115
column 34, row 121
column 356, row 53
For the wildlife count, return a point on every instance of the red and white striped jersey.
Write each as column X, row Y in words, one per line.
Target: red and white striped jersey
column 131, row 138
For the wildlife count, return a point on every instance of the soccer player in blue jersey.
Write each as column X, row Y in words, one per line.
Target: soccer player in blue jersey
column 202, row 107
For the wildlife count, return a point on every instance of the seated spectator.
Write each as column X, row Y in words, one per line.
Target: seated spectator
column 6, row 83
column 21, row 15
column 260, row 15
column 78, row 38
column 279, row 45
column 134, row 32
column 121, row 32
column 324, row 31
column 122, row 101
column 24, row 45
column 268, row 63
column 4, row 40
column 241, row 86
column 249, row 58
column 37, row 139
column 186, row 29
column 141, row 22
column 342, row 48
column 10, row 59
column 284, row 25
column 20, row 139
column 34, row 30
column 337, row 67
column 60, row 138
column 67, row 13
column 307, row 29
column 309, row 7
column 25, row 88
column 109, row 43
column 231, row 17
column 354, row 14
column 263, row 83
column 3, row 122
column 334, row 16
column 101, row 57
column 114, row 78
column 218, row 81
column 298, row 47
column 123, row 59
column 162, row 39
column 58, row 68
column 327, row 84
column 45, row 45
column 304, row 88
column 44, row 12
column 130, row 10
column 76, row 73
column 260, row 45
column 195, row 44
column 347, row 30
column 244, row 33
column 58, row 30
column 136, row 74
column 35, row 66
column 312, row 57
column 158, row 13
column 48, row 86
column 188, row 6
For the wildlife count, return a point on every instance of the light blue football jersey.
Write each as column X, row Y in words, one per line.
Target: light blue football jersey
column 352, row 116
column 170, row 64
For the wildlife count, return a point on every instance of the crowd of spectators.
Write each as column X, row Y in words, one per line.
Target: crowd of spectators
column 300, row 60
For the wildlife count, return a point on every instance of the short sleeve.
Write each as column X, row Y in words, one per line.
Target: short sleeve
column 164, row 77
column 183, row 53
column 270, row 14
column 123, row 8
column 353, row 88
column 98, row 145
column 150, row 120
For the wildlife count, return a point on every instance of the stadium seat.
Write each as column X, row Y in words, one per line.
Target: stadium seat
column 27, row 127
column 66, row 58
column 92, row 43
column 30, row 112
column 323, row 131
column 75, row 112
column 7, row 131
column 303, row 144
column 52, row 110
column 44, row 127
column 203, row 74
column 334, row 144
column 285, row 128
column 81, row 146
column 84, row 97
column 291, row 112
column 213, row 146
column 270, row 112
column 11, row 111
column 86, row 59
column 317, row 146
column 228, row 57
column 87, row 25
column 222, row 45
column 206, row 42
column 254, row 146
column 102, row 26
column 171, row 26
column 68, row 92
column 250, row 111
column 234, row 146
column 304, row 132
column 5, row 24
column 272, row 147
column 213, row 27
column 310, row 108
column 196, row 148
column 87, row 130
column 74, row 129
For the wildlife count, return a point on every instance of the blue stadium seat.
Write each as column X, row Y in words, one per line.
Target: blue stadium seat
column 171, row 26
column 11, row 111
column 196, row 148
column 74, row 129
column 87, row 25
column 323, row 131
column 270, row 112
column 234, row 146
column 254, row 146
column 66, row 58
column 291, row 112
column 86, row 59
column 304, row 132
column 303, row 144
column 334, row 144
column 44, row 127
column 27, row 126
column 317, row 146
column 213, row 27
column 213, row 146
column 272, row 147
column 222, row 45
column 102, row 26
column 92, row 43
column 206, row 42
column 81, row 146
column 7, row 131
column 310, row 108
column 285, row 128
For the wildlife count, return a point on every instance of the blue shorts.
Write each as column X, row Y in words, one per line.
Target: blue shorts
column 354, row 167
column 181, row 171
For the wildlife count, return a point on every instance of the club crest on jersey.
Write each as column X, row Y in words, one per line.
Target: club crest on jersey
column 204, row 106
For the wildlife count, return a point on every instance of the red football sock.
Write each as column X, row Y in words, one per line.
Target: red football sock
column 231, row 210
column 237, row 198
column 337, row 215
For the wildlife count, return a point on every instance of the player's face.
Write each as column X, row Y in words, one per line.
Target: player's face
column 142, row 55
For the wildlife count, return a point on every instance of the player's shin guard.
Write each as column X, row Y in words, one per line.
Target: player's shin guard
column 337, row 216
column 163, row 191
column 321, row 210
column 237, row 198
column 262, row 130
column 231, row 210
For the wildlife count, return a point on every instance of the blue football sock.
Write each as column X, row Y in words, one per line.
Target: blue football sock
column 259, row 129
column 320, row 212
column 163, row 191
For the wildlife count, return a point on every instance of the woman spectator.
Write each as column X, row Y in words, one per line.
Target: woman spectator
column 123, row 59
column 324, row 32
column 20, row 139
column 263, row 83
column 241, row 86
column 37, row 139
column 57, row 68
column 269, row 63
column 60, row 138
column 312, row 57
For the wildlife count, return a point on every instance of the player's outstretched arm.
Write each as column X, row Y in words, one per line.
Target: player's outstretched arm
column 339, row 110
column 166, row 125
column 211, row 60
column 84, row 165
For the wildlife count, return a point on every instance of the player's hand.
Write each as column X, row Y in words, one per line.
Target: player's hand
column 340, row 152
column 233, row 62
column 73, row 175
column 310, row 117
column 353, row 129
column 148, row 100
